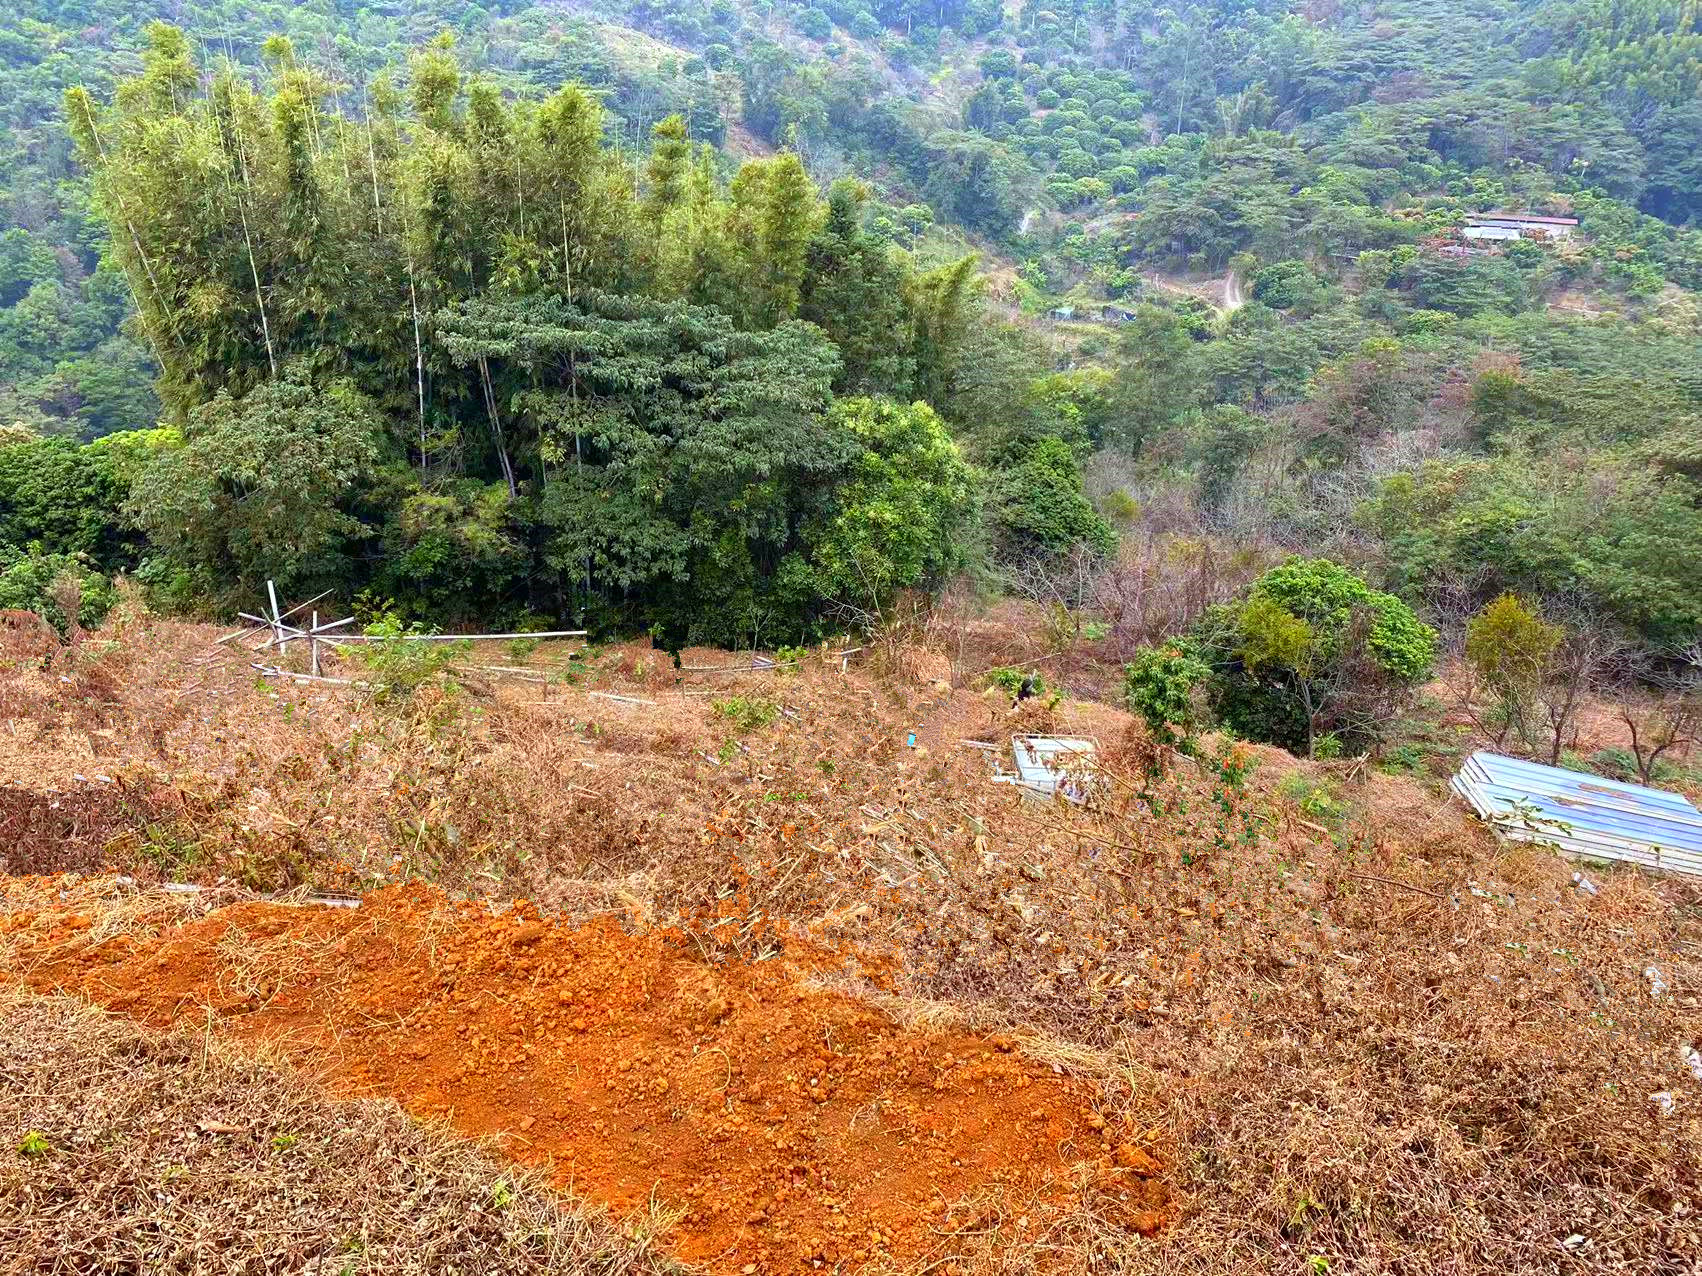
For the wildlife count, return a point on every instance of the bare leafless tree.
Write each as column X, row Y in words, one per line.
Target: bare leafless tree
column 1159, row 585
column 1594, row 654
column 1668, row 720
column 1065, row 582
column 1453, row 597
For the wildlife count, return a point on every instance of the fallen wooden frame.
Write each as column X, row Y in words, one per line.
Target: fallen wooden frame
column 496, row 671
column 547, row 633
column 280, row 634
column 620, row 699
column 273, row 671
column 284, row 634
column 758, row 664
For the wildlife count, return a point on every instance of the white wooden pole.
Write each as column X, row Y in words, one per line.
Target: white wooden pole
column 277, row 619
column 548, row 633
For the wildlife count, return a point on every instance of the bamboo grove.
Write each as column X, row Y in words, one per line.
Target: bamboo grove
column 451, row 349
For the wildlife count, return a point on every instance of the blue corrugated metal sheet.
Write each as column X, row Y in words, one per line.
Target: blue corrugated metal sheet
column 1583, row 814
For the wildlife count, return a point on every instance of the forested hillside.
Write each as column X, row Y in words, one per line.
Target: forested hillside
column 733, row 321
column 1081, row 141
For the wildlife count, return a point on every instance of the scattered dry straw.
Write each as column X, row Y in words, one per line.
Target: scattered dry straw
column 124, row 1151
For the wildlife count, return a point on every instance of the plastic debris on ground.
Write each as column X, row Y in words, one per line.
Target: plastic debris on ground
column 1657, row 985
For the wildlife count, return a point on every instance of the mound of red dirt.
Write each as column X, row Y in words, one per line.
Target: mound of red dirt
column 795, row 1129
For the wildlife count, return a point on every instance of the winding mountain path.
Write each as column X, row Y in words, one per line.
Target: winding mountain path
column 1232, row 298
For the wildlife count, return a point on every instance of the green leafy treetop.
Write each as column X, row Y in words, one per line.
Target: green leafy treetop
column 1331, row 600
column 265, row 487
column 899, row 518
column 1037, row 505
column 457, row 352
column 1161, row 685
column 1312, row 651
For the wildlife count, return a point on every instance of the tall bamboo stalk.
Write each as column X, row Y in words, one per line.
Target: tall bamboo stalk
column 413, row 292
column 496, row 426
column 135, row 238
column 248, row 238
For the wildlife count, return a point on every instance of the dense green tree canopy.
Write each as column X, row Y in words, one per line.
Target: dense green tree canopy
column 462, row 353
column 268, row 486
column 978, row 273
column 1313, row 651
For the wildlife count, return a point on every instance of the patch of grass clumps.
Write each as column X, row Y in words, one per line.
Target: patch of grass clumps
column 1315, row 798
column 747, row 713
column 1010, row 681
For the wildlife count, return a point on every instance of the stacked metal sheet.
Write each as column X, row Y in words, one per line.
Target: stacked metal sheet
column 1049, row 765
column 1583, row 814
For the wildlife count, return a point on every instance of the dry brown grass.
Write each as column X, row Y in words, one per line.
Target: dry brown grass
column 164, row 1154
column 1356, row 1061
column 1360, row 1063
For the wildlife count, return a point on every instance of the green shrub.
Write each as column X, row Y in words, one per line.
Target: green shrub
column 1616, row 764
column 1010, row 681
column 1161, row 684
column 1036, row 505
column 54, row 586
column 401, row 666
column 1311, row 653
column 63, row 498
column 747, row 713
column 1407, row 758
column 1119, row 506
column 1314, row 798
column 1510, row 646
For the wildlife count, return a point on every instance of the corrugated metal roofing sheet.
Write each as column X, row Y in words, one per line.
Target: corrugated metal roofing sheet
column 1048, row 764
column 1583, row 814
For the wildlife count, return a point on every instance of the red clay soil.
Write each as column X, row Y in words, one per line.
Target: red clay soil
column 796, row 1129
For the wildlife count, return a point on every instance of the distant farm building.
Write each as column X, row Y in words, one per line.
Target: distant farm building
column 1502, row 226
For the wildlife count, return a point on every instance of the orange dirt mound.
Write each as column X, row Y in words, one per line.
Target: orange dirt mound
column 795, row 1129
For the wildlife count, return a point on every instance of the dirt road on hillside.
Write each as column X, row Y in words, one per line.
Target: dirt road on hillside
column 1232, row 298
